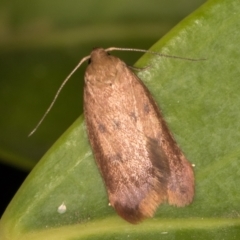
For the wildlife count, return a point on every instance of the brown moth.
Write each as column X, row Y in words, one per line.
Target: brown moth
column 139, row 160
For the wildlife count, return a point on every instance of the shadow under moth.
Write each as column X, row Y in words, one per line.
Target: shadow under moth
column 139, row 160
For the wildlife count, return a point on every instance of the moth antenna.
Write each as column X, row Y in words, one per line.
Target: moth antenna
column 152, row 52
column 57, row 94
column 88, row 57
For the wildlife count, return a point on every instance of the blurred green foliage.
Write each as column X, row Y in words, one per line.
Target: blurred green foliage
column 40, row 43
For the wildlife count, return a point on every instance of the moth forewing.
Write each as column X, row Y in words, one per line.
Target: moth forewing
column 140, row 162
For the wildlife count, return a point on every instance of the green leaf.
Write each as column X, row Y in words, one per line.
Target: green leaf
column 200, row 101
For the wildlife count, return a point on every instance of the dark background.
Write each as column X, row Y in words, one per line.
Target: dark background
column 11, row 179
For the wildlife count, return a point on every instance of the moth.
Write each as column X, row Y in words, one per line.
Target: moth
column 139, row 160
